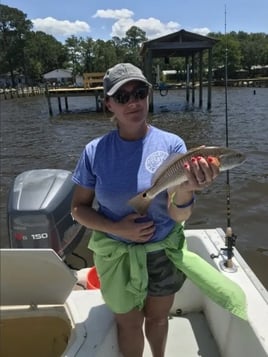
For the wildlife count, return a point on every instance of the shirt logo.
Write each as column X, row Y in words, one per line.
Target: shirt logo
column 154, row 160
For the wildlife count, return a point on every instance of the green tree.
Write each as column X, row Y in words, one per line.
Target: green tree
column 120, row 48
column 135, row 36
column 43, row 53
column 23, row 51
column 87, row 55
column 254, row 50
column 103, row 55
column 14, row 28
column 228, row 47
column 75, row 50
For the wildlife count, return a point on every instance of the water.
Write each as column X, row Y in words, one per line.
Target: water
column 30, row 139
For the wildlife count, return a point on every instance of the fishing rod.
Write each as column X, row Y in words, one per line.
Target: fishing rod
column 230, row 237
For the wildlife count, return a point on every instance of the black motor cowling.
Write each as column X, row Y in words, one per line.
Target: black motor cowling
column 39, row 212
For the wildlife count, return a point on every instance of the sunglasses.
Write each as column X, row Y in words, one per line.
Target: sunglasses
column 122, row 97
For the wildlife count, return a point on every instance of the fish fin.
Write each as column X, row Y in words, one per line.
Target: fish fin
column 196, row 149
column 140, row 203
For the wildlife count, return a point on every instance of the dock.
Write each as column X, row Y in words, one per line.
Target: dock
column 61, row 93
column 260, row 82
column 21, row 92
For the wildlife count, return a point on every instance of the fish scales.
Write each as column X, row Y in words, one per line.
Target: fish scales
column 175, row 169
column 171, row 175
column 172, row 172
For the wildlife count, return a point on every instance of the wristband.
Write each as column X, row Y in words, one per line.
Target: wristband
column 185, row 205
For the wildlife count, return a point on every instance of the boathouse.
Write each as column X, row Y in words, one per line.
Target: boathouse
column 185, row 44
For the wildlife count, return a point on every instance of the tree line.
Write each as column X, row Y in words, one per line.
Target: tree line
column 33, row 53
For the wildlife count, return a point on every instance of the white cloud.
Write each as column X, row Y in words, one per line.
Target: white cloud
column 114, row 14
column 57, row 28
column 201, row 31
column 124, row 20
column 155, row 28
column 121, row 26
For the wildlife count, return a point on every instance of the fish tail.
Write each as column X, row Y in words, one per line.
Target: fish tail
column 140, row 203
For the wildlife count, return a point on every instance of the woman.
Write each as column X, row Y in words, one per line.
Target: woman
column 114, row 168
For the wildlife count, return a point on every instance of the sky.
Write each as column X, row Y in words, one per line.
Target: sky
column 100, row 19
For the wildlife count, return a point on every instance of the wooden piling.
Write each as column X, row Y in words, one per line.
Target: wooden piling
column 59, row 104
column 66, row 104
column 200, row 79
column 49, row 106
column 187, row 80
column 209, row 78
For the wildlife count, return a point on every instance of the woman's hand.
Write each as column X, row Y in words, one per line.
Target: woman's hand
column 135, row 228
column 201, row 172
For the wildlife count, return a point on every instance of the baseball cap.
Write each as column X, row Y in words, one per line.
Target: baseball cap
column 120, row 74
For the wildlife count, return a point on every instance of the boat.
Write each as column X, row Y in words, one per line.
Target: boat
column 48, row 309
column 45, row 312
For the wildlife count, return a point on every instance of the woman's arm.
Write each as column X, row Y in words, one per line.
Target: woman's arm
column 127, row 228
column 180, row 204
column 84, row 213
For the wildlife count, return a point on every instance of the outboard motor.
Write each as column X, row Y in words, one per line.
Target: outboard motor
column 39, row 212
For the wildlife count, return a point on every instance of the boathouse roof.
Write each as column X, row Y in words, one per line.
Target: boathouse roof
column 177, row 44
column 180, row 44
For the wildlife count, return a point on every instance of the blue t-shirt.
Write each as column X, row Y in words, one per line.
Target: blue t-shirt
column 117, row 170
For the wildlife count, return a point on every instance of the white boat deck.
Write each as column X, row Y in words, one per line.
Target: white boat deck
column 197, row 326
column 189, row 336
column 204, row 328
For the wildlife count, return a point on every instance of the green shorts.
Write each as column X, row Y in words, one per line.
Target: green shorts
column 163, row 277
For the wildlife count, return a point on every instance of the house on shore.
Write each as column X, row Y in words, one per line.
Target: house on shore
column 62, row 77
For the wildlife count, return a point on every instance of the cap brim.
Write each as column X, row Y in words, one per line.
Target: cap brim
column 115, row 88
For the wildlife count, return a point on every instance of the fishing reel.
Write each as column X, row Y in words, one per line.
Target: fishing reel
column 230, row 240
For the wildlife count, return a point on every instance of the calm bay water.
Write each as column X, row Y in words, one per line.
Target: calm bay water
column 30, row 139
